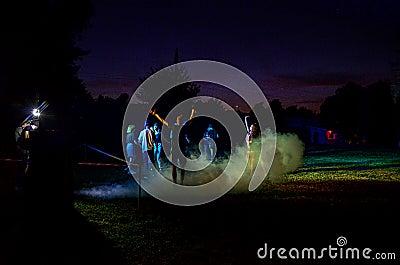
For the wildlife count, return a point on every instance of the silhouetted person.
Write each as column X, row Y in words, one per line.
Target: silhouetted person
column 212, row 133
column 253, row 142
column 177, row 143
column 23, row 136
column 210, row 139
column 157, row 145
column 130, row 146
column 145, row 139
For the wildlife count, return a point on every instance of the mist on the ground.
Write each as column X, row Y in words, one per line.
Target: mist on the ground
column 287, row 158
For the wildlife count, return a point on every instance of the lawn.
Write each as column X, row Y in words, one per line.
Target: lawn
column 337, row 192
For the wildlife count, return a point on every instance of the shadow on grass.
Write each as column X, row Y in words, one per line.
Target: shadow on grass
column 42, row 227
column 66, row 239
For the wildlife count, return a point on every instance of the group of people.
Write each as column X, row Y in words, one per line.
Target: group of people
column 149, row 144
column 151, row 147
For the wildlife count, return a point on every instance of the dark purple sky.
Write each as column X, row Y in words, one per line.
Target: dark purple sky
column 296, row 51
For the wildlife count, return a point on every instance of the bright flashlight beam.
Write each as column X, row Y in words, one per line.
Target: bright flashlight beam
column 43, row 106
column 36, row 112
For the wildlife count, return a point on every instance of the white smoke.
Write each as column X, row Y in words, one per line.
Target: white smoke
column 287, row 158
column 127, row 189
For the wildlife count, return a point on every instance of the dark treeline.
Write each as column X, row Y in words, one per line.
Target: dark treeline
column 40, row 63
column 368, row 113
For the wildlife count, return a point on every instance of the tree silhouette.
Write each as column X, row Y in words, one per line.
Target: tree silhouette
column 279, row 115
column 295, row 111
column 39, row 61
column 39, row 57
column 365, row 112
column 175, row 95
column 343, row 109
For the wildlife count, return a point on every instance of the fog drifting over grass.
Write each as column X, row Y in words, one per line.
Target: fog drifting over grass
column 288, row 157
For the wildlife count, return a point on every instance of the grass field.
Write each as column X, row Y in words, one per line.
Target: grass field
column 337, row 192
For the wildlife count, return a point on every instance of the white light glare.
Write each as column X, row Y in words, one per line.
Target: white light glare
column 36, row 112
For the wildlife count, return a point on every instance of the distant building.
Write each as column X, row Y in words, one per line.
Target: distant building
column 324, row 136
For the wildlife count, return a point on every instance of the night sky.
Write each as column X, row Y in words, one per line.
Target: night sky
column 296, row 51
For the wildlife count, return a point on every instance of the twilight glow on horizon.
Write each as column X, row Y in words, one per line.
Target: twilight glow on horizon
column 299, row 52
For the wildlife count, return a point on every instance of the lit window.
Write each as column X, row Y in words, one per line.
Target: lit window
column 330, row 135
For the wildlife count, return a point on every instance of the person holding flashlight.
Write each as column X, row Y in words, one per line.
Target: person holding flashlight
column 23, row 138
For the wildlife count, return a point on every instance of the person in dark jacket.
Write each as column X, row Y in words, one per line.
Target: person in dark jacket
column 23, row 134
column 158, row 149
column 179, row 142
